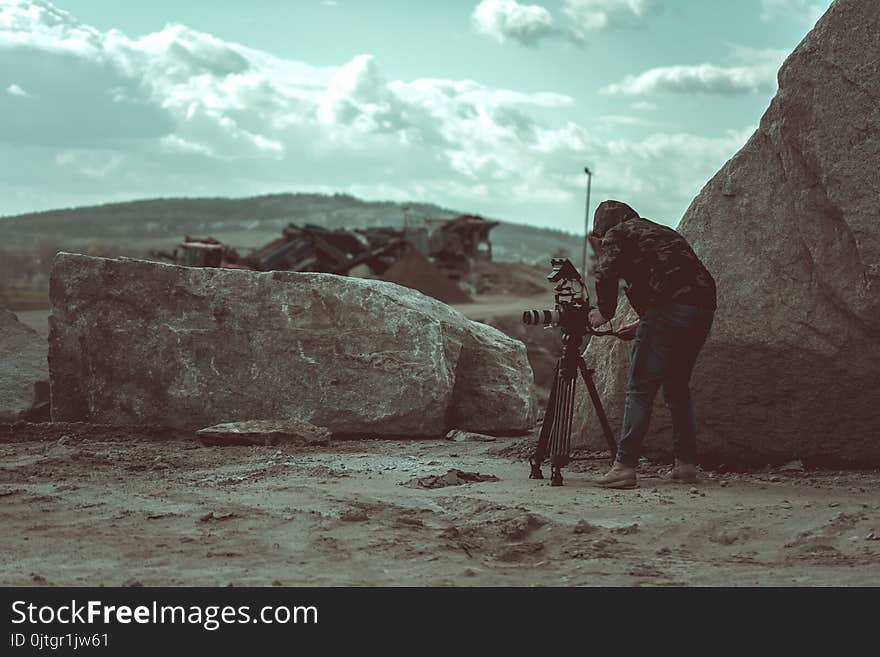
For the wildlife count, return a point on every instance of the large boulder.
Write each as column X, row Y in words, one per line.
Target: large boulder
column 135, row 342
column 23, row 368
column 790, row 228
column 543, row 346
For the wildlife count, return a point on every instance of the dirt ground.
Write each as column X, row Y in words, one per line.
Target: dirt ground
column 88, row 506
column 105, row 508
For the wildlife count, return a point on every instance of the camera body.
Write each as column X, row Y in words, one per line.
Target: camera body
column 572, row 303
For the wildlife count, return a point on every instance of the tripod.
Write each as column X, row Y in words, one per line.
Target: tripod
column 555, row 435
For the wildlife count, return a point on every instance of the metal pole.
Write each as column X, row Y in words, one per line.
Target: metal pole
column 586, row 224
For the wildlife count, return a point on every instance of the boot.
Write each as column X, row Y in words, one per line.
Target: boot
column 620, row 476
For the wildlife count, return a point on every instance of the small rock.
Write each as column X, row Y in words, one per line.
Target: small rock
column 159, row 516
column 793, row 466
column 411, row 522
column 519, row 551
column 584, row 527
column 833, row 504
column 461, row 436
column 628, row 529
column 694, row 491
column 873, row 536
column 518, row 528
column 213, row 516
column 354, row 515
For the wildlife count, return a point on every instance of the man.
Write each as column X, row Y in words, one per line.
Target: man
column 674, row 296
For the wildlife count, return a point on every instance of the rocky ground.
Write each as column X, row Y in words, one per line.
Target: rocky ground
column 84, row 506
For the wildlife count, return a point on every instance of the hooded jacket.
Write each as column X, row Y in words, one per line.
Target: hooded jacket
column 657, row 263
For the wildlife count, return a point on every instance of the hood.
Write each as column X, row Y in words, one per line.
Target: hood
column 609, row 214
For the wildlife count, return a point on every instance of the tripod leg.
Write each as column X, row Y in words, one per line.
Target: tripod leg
column 560, row 439
column 587, row 375
column 540, row 453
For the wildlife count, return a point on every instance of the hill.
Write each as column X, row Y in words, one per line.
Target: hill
column 250, row 222
column 28, row 242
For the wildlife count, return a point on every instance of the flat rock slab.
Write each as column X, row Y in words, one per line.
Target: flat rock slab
column 264, row 432
column 460, row 436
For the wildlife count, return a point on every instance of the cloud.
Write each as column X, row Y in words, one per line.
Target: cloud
column 598, row 15
column 803, row 9
column 703, row 78
column 93, row 164
column 175, row 144
column 758, row 76
column 182, row 112
column 660, row 174
column 66, row 67
column 503, row 20
column 358, row 96
column 623, row 119
column 643, row 106
column 14, row 90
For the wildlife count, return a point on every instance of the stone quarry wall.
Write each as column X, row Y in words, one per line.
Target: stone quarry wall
column 790, row 229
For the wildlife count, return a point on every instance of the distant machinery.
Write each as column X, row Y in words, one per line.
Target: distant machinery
column 452, row 244
column 455, row 243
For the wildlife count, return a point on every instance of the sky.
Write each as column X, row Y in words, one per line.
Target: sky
column 491, row 107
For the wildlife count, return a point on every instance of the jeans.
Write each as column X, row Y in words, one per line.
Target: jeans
column 665, row 349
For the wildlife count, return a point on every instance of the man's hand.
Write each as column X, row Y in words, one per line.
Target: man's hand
column 628, row 332
column 596, row 319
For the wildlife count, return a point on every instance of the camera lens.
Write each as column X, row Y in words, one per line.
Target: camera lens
column 538, row 317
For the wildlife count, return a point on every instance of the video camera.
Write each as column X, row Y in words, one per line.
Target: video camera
column 571, row 299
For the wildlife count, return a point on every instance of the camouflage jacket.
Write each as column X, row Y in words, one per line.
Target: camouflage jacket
column 658, row 265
